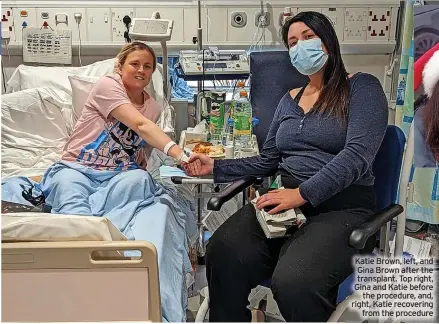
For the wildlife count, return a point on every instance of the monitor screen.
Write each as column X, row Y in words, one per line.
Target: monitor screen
column 215, row 65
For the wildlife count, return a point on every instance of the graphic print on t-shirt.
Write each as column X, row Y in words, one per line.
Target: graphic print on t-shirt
column 114, row 149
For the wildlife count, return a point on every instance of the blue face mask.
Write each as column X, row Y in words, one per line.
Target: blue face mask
column 307, row 56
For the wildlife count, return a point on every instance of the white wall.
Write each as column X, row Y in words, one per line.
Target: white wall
column 358, row 24
column 101, row 27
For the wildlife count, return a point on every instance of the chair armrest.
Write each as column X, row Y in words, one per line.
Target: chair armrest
column 196, row 181
column 215, row 203
column 361, row 234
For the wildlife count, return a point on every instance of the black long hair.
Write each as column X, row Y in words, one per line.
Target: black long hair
column 335, row 95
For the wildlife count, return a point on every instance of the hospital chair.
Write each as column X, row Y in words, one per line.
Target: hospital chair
column 272, row 75
column 83, row 281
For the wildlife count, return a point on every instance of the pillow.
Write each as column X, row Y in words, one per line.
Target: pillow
column 28, row 77
column 81, row 87
column 34, row 132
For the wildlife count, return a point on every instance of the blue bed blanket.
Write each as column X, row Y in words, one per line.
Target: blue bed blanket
column 140, row 207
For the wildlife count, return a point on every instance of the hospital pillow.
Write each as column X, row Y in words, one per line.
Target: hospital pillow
column 28, row 77
column 81, row 87
column 33, row 132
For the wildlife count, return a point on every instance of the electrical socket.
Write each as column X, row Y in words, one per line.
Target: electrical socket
column 238, row 19
column 118, row 34
column 355, row 24
column 262, row 18
column 378, row 23
column 7, row 23
column 6, row 34
column 118, row 27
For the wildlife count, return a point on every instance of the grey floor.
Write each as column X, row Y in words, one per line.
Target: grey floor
column 194, row 293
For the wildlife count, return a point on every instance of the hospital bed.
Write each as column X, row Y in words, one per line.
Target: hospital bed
column 79, row 282
column 272, row 75
column 38, row 113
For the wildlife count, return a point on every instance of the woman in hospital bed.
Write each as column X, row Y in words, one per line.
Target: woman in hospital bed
column 106, row 155
column 322, row 141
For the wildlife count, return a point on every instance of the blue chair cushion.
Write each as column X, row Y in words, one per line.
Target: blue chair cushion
column 387, row 166
column 271, row 76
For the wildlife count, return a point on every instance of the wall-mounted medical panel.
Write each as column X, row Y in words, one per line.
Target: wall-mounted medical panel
column 337, row 16
column 355, row 24
column 99, row 28
column 309, row 9
column 361, row 28
column 378, row 23
column 217, row 25
column 64, row 18
column 277, row 21
column 171, row 13
column 7, row 24
column 190, row 20
column 393, row 24
column 23, row 17
column 118, row 27
column 244, row 28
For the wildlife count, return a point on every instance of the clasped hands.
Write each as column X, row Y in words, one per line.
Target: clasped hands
column 279, row 200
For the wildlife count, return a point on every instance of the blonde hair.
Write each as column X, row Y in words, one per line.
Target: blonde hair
column 132, row 47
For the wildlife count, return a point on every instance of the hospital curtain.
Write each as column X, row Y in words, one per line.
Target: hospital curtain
column 405, row 94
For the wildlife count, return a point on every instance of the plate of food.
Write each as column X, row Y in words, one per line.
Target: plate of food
column 214, row 151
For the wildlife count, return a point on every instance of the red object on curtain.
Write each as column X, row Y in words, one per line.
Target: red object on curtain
column 420, row 64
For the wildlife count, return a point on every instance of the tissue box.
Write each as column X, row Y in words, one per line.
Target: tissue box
column 195, row 137
column 192, row 136
column 188, row 139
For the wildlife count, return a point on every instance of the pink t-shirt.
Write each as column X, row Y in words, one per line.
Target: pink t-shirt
column 100, row 141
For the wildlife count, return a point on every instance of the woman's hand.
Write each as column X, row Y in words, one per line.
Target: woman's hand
column 198, row 165
column 282, row 199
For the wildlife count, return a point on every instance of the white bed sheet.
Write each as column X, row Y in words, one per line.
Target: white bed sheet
column 34, row 132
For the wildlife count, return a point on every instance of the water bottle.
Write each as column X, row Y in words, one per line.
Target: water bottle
column 239, row 87
column 242, row 121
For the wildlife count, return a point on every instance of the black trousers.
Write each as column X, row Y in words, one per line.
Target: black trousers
column 305, row 268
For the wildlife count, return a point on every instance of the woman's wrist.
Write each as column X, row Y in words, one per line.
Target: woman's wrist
column 178, row 154
column 175, row 151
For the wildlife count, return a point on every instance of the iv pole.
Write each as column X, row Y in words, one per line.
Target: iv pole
column 200, row 48
column 200, row 244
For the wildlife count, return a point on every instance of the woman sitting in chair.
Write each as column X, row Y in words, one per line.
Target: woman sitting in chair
column 426, row 121
column 322, row 141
